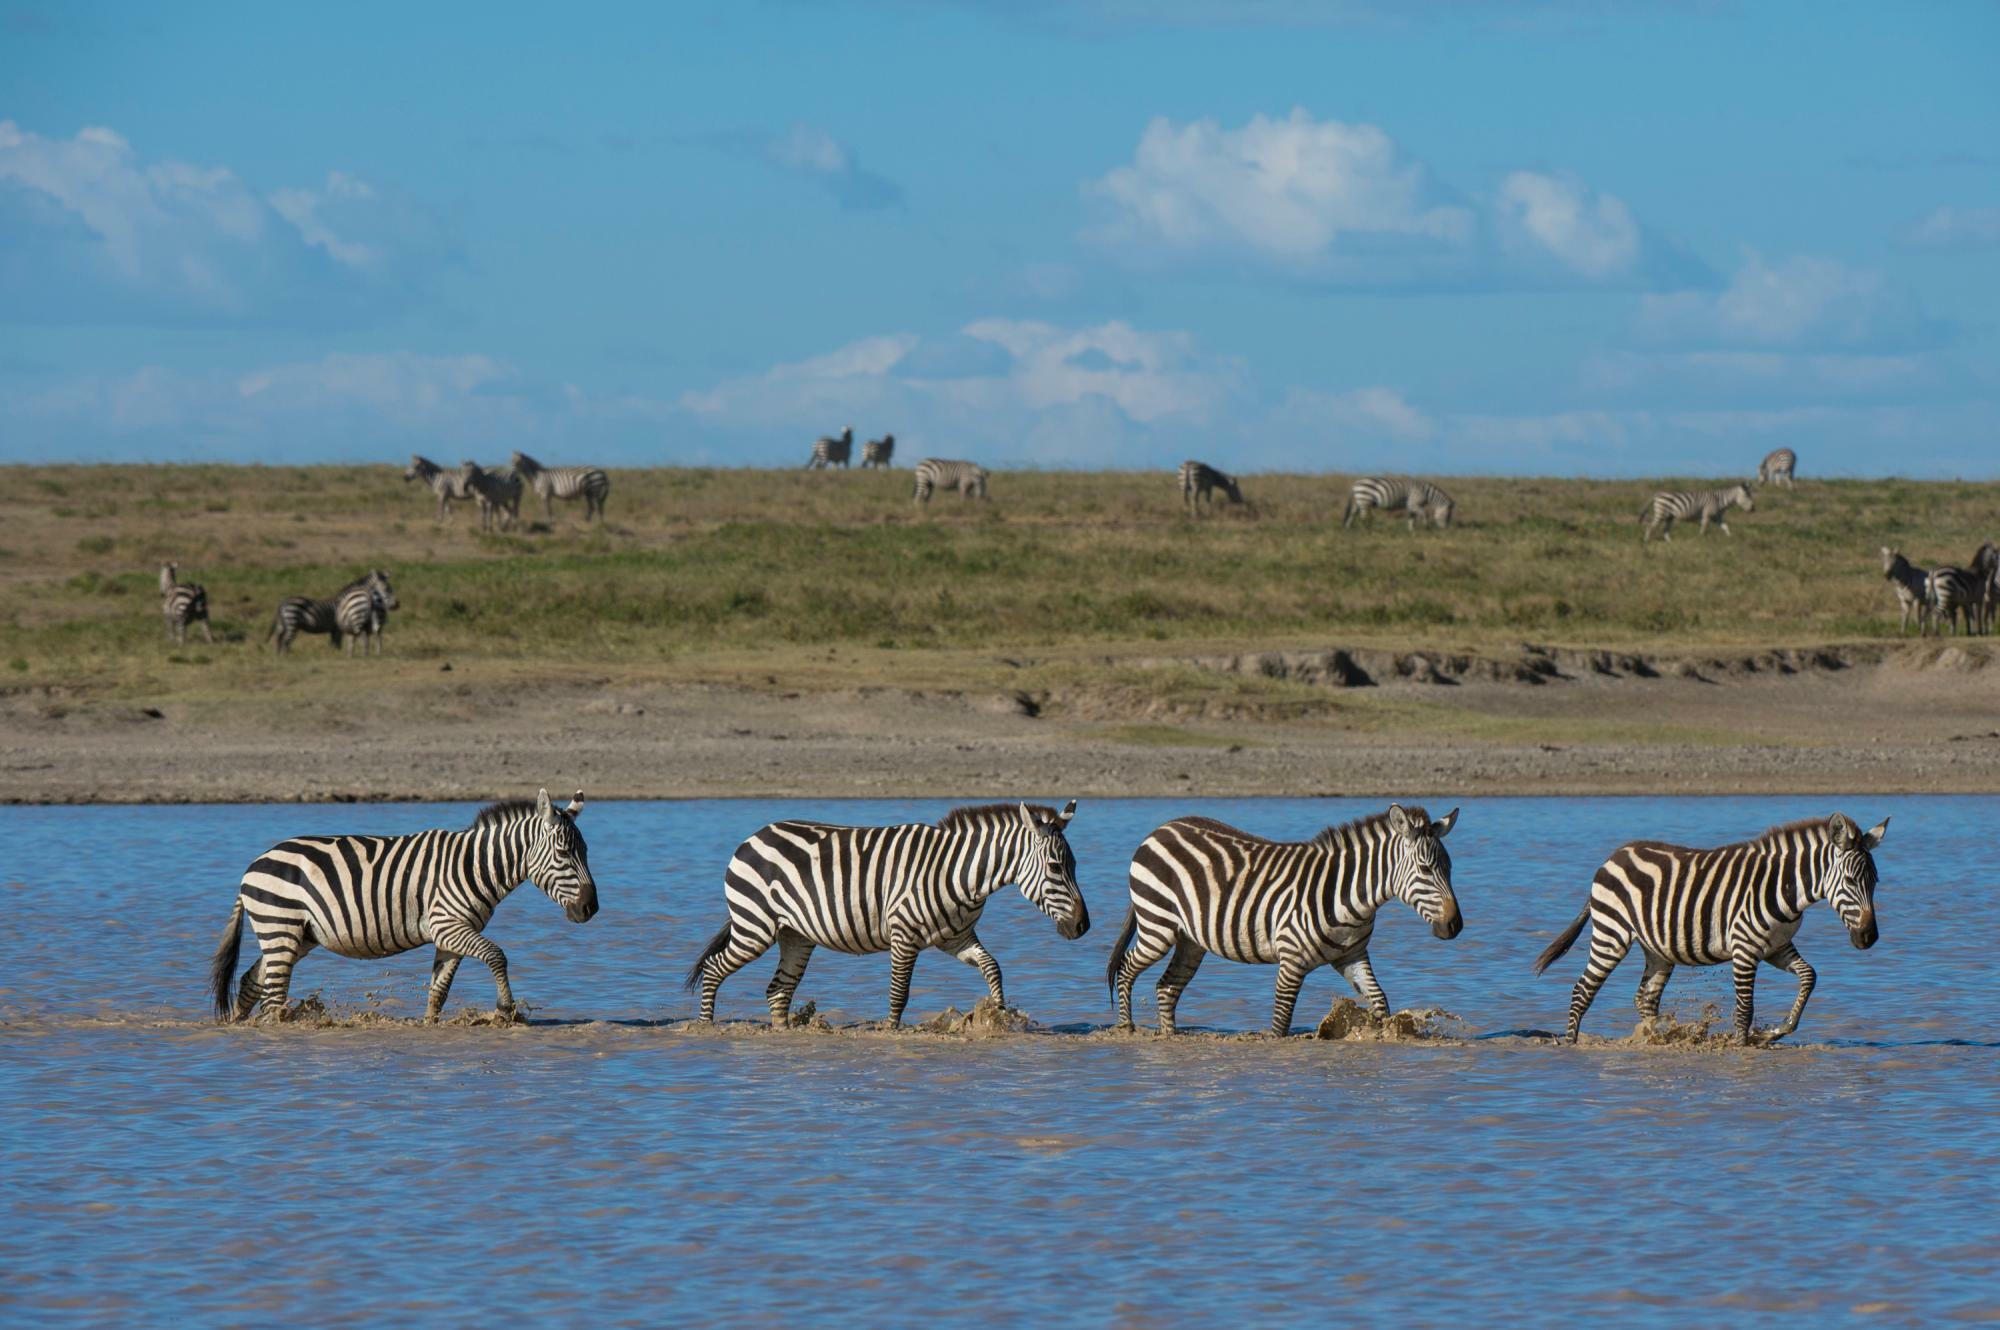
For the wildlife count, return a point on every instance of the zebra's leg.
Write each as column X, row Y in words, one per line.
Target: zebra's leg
column 248, row 990
column 444, row 968
column 1787, row 958
column 794, row 951
column 1148, row 945
column 1292, row 974
column 207, row 636
column 1743, row 970
column 746, row 944
column 969, row 949
column 1608, row 945
column 461, row 939
column 1360, row 975
column 902, row 964
column 1188, row 956
column 1658, row 970
column 283, row 948
column 1723, row 522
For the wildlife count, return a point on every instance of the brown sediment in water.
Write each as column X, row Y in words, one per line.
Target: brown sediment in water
column 1350, row 1022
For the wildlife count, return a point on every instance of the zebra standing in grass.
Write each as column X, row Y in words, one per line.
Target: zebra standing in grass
column 1199, row 885
column 498, row 492
column 303, row 614
column 183, row 603
column 1670, row 506
column 878, row 452
column 1952, row 592
column 1199, row 481
column 361, row 610
column 1419, row 498
column 1985, row 570
column 832, row 452
column 1740, row 903
column 447, row 485
column 896, row 889
column 1776, row 468
column 938, row 473
column 1912, row 585
column 367, row 897
column 588, row 483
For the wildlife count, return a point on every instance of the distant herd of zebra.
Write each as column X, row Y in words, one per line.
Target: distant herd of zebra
column 1196, row 886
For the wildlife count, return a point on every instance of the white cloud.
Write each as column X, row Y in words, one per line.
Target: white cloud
column 1956, row 228
column 303, row 208
column 1592, row 235
column 1801, row 303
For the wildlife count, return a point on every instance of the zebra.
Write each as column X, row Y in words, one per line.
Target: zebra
column 1952, row 592
column 1669, row 506
column 1985, row 569
column 498, row 492
column 1738, row 903
column 879, row 452
column 1199, row 885
column 361, row 610
column 367, row 897
column 1199, row 481
column 447, row 485
column 938, row 473
column 303, row 614
column 1913, row 588
column 1776, row 468
column 183, row 603
column 832, row 452
column 588, row 483
column 898, row 889
column 1419, row 498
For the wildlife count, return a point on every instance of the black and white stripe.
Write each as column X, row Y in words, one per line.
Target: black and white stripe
column 1777, row 467
column 941, row 473
column 1201, row 886
column 879, row 452
column 1985, row 570
column 303, row 614
column 1740, row 904
column 1954, row 592
column 372, row 896
column 1420, row 499
column 361, row 610
column 1670, row 506
column 1199, row 481
column 588, row 483
column 447, row 485
column 1912, row 586
column 897, row 889
column 498, row 492
column 183, row 603
column 832, row 451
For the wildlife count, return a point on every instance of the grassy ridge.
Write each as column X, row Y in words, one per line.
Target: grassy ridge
column 754, row 564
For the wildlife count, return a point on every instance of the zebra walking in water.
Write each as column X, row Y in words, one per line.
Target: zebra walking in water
column 588, row 483
column 498, row 492
column 447, row 485
column 938, row 473
column 896, row 889
column 1912, row 586
column 1740, row 904
column 878, row 452
column 361, row 610
column 367, row 897
column 1201, row 886
column 303, row 614
column 1199, row 481
column 832, row 452
column 1419, row 498
column 183, row 603
column 1670, row 506
column 1776, row 468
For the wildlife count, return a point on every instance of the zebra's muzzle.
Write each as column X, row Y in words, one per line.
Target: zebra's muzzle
column 1449, row 927
column 1865, row 936
column 1077, row 924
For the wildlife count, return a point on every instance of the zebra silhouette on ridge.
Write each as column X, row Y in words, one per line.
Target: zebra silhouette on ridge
column 879, row 452
column 829, row 452
column 1777, row 467
column 588, row 483
column 447, row 485
column 183, row 603
column 898, row 889
column 1418, row 498
column 1199, row 481
column 1669, row 506
column 498, row 492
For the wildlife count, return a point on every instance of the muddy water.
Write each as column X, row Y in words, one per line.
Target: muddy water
column 609, row 1162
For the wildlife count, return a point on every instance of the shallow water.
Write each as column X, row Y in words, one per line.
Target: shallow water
column 609, row 1162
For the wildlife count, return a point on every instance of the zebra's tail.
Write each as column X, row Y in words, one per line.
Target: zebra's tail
column 1119, row 948
column 222, row 970
column 1348, row 516
column 1563, row 943
column 716, row 946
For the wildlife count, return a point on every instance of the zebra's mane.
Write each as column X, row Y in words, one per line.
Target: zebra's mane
column 1331, row 837
column 507, row 810
column 974, row 815
column 1815, row 826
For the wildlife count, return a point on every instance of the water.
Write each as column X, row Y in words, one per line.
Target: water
column 608, row 1163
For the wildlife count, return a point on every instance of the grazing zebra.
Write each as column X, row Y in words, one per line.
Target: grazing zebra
column 937, row 473
column 183, row 603
column 896, row 889
column 447, row 485
column 1670, row 506
column 1985, row 569
column 1419, row 498
column 498, row 492
column 588, row 483
column 1199, row 885
column 1740, row 903
column 832, row 452
column 1776, row 468
column 303, row 614
column 878, row 452
column 367, row 897
column 1199, row 481
column 1951, row 592
column 361, row 610
column 1913, row 588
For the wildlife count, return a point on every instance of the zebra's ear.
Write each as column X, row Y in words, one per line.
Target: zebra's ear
column 1068, row 812
column 545, row 807
column 1027, row 817
column 575, row 809
column 1840, row 829
column 1399, row 821
column 1876, row 833
column 1442, row 827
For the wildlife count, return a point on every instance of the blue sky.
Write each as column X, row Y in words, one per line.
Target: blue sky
column 1560, row 238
